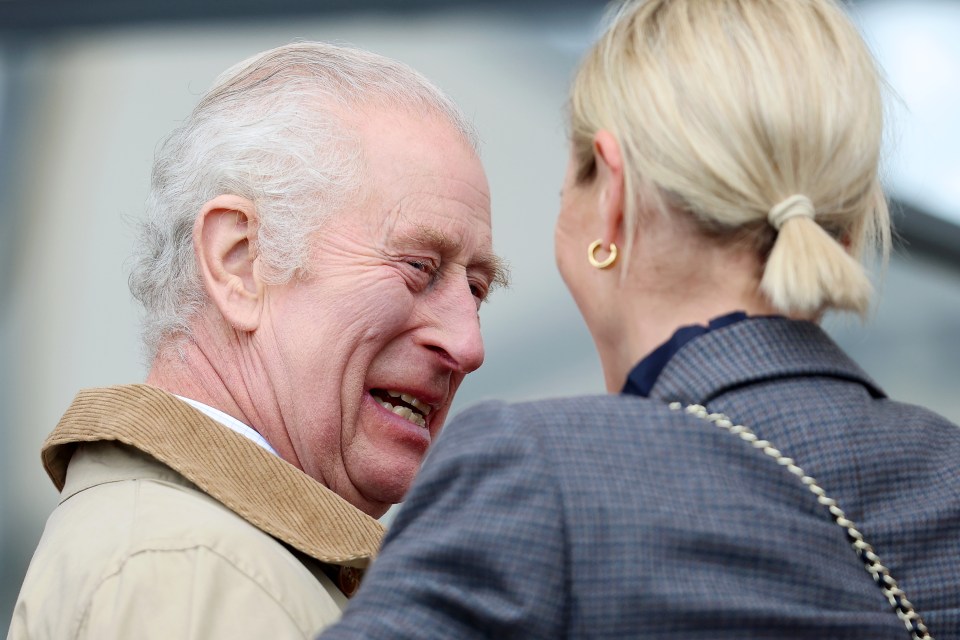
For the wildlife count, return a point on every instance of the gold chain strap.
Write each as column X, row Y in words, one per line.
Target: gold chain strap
column 881, row 575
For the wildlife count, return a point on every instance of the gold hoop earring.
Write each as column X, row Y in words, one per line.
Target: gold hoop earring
column 592, row 255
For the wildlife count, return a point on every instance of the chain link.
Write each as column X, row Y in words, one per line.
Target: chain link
column 881, row 575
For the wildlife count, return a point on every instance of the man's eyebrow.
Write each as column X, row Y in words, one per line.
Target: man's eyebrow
column 432, row 237
column 494, row 267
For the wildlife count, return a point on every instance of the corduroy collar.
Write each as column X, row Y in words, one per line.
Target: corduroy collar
column 269, row 493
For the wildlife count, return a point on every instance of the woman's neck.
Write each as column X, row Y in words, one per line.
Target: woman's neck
column 649, row 306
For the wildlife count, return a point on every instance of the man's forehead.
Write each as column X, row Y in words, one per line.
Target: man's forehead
column 424, row 146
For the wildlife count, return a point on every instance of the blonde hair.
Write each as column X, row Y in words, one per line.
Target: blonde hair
column 761, row 119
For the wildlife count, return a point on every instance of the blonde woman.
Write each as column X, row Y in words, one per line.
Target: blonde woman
column 744, row 478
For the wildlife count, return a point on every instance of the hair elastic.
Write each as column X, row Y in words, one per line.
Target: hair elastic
column 795, row 206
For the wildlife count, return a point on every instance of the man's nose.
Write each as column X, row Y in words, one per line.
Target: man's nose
column 455, row 328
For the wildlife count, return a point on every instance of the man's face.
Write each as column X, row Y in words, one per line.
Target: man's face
column 387, row 315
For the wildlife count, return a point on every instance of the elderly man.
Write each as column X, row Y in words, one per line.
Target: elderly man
column 316, row 250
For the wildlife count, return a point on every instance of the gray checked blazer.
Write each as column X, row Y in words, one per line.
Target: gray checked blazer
column 617, row 517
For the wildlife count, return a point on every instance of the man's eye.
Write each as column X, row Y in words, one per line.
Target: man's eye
column 422, row 265
column 479, row 292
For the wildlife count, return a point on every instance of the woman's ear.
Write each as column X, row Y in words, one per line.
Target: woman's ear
column 224, row 243
column 610, row 185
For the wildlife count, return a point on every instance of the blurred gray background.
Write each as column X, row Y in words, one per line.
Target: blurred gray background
column 87, row 90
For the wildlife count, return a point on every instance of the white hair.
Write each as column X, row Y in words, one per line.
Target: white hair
column 268, row 130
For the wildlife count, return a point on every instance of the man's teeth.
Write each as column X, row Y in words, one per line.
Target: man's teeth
column 422, row 407
column 405, row 412
column 410, row 415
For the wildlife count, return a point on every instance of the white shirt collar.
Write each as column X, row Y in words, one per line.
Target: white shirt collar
column 231, row 423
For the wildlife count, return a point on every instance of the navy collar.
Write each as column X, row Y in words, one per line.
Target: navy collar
column 644, row 375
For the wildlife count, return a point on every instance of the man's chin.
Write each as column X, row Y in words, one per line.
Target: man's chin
column 384, row 486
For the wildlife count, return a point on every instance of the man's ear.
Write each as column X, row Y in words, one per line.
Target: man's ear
column 610, row 185
column 224, row 243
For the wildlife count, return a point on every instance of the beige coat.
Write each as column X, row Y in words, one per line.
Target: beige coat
column 171, row 526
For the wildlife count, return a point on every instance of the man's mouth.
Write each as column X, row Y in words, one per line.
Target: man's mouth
column 404, row 405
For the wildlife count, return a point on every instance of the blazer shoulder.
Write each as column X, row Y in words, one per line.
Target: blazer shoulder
column 574, row 407
column 566, row 418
